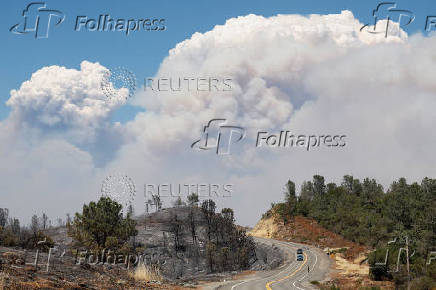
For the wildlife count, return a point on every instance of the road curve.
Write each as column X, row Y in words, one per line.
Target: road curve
column 292, row 274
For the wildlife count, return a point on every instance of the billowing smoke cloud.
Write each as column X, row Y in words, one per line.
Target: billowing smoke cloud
column 64, row 101
column 311, row 75
column 69, row 104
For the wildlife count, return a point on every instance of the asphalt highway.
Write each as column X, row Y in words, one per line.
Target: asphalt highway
column 292, row 274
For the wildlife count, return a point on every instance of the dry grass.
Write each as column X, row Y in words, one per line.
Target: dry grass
column 146, row 273
column 3, row 280
column 351, row 268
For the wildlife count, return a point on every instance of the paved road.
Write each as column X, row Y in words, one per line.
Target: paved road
column 292, row 274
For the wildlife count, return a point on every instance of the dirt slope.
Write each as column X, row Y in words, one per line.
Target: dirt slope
column 352, row 270
column 306, row 231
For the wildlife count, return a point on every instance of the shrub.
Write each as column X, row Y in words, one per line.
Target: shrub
column 423, row 283
column 30, row 241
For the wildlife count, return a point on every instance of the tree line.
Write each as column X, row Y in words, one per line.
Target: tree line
column 13, row 234
column 387, row 221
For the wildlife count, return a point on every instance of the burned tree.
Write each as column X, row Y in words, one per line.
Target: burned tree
column 157, row 201
column 44, row 221
column 208, row 208
column 192, row 226
column 176, row 229
column 4, row 214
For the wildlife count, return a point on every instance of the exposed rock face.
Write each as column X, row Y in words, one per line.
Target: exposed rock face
column 265, row 228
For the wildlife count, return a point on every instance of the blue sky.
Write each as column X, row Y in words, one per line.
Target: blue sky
column 143, row 51
column 59, row 143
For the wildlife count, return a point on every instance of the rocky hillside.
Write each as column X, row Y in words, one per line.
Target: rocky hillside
column 166, row 241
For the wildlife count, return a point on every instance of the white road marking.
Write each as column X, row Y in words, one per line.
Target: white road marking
column 287, row 245
column 299, row 280
column 236, row 285
column 255, row 280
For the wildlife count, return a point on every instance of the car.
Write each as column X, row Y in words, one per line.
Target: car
column 300, row 251
column 300, row 258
